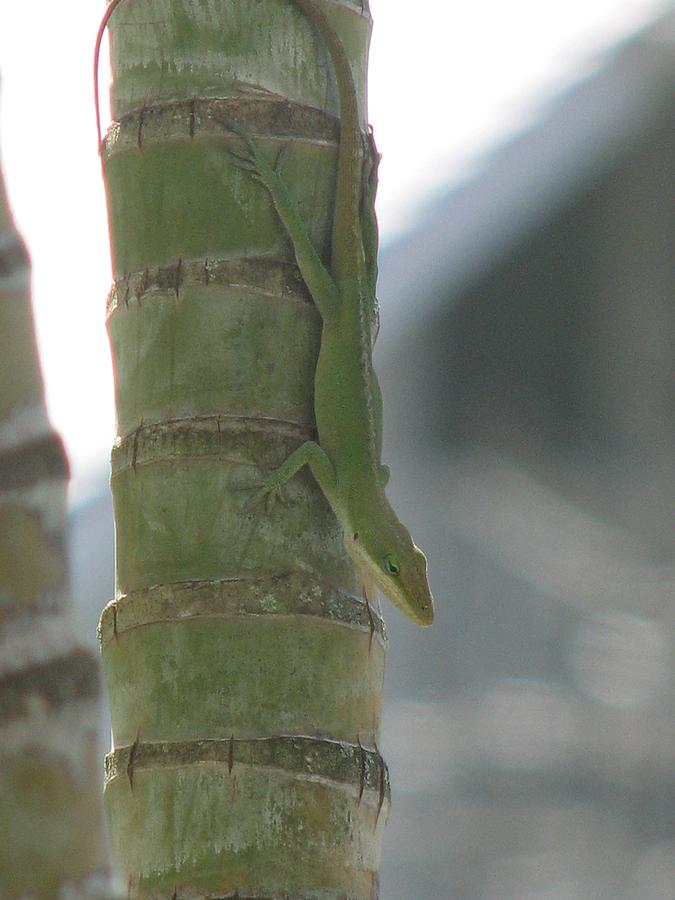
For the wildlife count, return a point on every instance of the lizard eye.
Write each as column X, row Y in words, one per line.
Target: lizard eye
column 391, row 564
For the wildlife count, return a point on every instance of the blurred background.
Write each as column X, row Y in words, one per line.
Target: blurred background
column 527, row 220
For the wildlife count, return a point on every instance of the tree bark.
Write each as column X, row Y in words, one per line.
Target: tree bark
column 243, row 664
column 51, row 818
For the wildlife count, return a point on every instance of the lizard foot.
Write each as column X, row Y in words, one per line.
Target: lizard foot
column 269, row 493
column 252, row 160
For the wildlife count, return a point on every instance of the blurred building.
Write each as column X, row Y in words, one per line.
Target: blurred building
column 529, row 379
column 528, row 371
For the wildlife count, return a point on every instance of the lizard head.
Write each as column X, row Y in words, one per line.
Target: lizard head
column 388, row 557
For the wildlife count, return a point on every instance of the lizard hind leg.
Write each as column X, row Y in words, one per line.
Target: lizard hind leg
column 315, row 275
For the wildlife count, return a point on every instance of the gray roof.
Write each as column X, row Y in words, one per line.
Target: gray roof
column 575, row 137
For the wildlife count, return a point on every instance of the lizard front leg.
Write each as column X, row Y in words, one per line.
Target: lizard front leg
column 309, row 454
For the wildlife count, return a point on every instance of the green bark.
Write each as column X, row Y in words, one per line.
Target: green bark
column 244, row 667
column 51, row 818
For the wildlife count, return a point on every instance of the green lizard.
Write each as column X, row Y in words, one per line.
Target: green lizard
column 348, row 406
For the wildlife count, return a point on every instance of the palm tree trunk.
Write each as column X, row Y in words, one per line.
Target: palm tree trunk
column 244, row 667
column 51, row 818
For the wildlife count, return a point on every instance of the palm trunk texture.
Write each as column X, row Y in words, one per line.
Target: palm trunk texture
column 51, row 818
column 243, row 665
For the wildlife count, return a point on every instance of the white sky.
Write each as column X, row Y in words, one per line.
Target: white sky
column 482, row 68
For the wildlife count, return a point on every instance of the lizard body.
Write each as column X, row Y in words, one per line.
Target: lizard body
column 346, row 460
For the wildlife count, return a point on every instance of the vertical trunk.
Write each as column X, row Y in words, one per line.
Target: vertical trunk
column 243, row 666
column 50, row 808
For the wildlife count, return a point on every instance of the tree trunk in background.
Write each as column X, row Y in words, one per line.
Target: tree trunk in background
column 50, row 807
column 243, row 666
